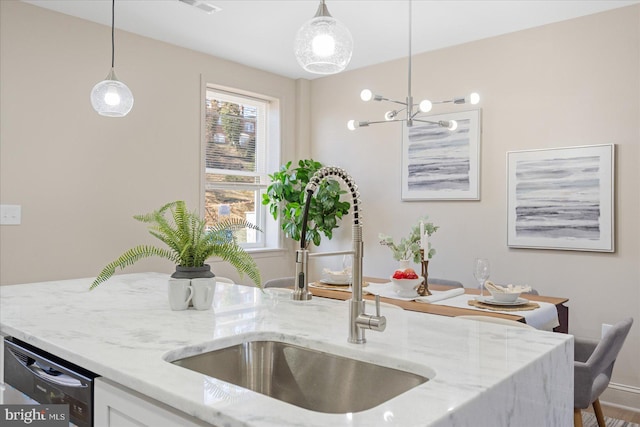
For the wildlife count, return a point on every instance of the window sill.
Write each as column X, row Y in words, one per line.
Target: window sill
column 266, row 252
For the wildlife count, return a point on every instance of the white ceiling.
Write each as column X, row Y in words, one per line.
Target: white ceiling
column 259, row 33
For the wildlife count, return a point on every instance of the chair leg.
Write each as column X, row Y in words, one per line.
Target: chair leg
column 599, row 415
column 577, row 417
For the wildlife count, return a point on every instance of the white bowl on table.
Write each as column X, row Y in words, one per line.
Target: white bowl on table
column 505, row 296
column 336, row 277
column 406, row 288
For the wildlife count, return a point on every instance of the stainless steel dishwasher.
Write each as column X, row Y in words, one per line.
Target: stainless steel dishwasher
column 33, row 376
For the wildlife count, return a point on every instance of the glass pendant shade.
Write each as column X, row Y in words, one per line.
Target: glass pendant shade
column 323, row 45
column 111, row 97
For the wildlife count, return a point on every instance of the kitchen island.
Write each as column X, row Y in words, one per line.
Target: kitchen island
column 480, row 374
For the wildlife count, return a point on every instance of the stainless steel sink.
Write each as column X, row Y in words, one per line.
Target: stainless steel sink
column 304, row 377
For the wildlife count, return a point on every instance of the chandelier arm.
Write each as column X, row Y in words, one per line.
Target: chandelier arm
column 440, row 123
column 384, row 121
column 415, row 114
column 380, row 98
column 397, row 102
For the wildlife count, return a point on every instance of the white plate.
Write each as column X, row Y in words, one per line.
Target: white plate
column 335, row 282
column 490, row 300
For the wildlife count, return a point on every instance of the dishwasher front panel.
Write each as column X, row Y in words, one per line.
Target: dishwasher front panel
column 47, row 379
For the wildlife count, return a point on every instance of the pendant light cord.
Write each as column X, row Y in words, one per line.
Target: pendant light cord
column 409, row 73
column 113, row 48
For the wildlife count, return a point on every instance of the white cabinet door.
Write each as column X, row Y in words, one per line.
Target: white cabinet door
column 118, row 406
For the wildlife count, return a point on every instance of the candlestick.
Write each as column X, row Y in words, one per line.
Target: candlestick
column 422, row 235
column 423, row 289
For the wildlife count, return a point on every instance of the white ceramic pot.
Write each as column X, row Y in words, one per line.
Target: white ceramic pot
column 203, row 292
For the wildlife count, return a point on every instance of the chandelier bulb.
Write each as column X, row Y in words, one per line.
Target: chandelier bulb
column 474, row 98
column 112, row 98
column 453, row 125
column 366, row 95
column 390, row 115
column 353, row 124
column 425, row 106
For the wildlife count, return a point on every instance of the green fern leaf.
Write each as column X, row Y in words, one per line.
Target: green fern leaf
column 189, row 242
column 129, row 258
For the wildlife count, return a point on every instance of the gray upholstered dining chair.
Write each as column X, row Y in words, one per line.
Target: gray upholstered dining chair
column 444, row 282
column 592, row 369
column 280, row 282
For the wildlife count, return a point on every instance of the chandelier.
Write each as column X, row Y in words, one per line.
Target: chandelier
column 408, row 112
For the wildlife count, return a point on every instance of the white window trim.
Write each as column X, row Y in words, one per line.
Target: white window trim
column 272, row 237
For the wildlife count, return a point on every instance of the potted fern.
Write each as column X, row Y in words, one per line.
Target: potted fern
column 189, row 244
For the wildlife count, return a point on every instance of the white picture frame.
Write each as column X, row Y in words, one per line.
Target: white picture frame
column 561, row 198
column 439, row 164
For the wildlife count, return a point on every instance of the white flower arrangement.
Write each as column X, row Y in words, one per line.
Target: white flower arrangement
column 409, row 247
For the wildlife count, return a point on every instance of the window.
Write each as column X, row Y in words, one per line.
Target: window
column 242, row 147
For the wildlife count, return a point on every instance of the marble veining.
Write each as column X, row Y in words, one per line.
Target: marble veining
column 481, row 374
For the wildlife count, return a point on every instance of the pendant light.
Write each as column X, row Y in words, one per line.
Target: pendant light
column 409, row 112
column 111, row 97
column 323, row 45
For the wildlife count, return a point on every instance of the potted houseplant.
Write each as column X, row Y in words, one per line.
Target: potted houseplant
column 189, row 244
column 408, row 249
column 286, row 196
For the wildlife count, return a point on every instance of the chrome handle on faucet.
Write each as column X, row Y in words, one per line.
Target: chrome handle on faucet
column 374, row 323
column 377, row 322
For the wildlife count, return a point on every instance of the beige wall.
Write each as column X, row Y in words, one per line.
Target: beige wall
column 567, row 84
column 79, row 176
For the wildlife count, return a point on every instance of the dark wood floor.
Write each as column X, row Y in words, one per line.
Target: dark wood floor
column 620, row 414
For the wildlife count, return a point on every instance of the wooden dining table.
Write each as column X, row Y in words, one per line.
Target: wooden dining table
column 444, row 310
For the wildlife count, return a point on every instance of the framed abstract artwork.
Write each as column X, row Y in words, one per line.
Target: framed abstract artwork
column 439, row 164
column 561, row 198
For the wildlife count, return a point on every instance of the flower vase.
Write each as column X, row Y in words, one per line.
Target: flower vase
column 404, row 264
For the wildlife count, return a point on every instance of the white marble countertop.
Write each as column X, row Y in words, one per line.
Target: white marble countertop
column 123, row 330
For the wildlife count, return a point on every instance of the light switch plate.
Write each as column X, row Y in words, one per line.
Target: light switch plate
column 10, row 214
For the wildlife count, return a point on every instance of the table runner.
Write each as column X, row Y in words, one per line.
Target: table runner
column 544, row 318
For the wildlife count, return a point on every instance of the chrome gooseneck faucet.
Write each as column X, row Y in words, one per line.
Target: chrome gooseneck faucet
column 358, row 319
